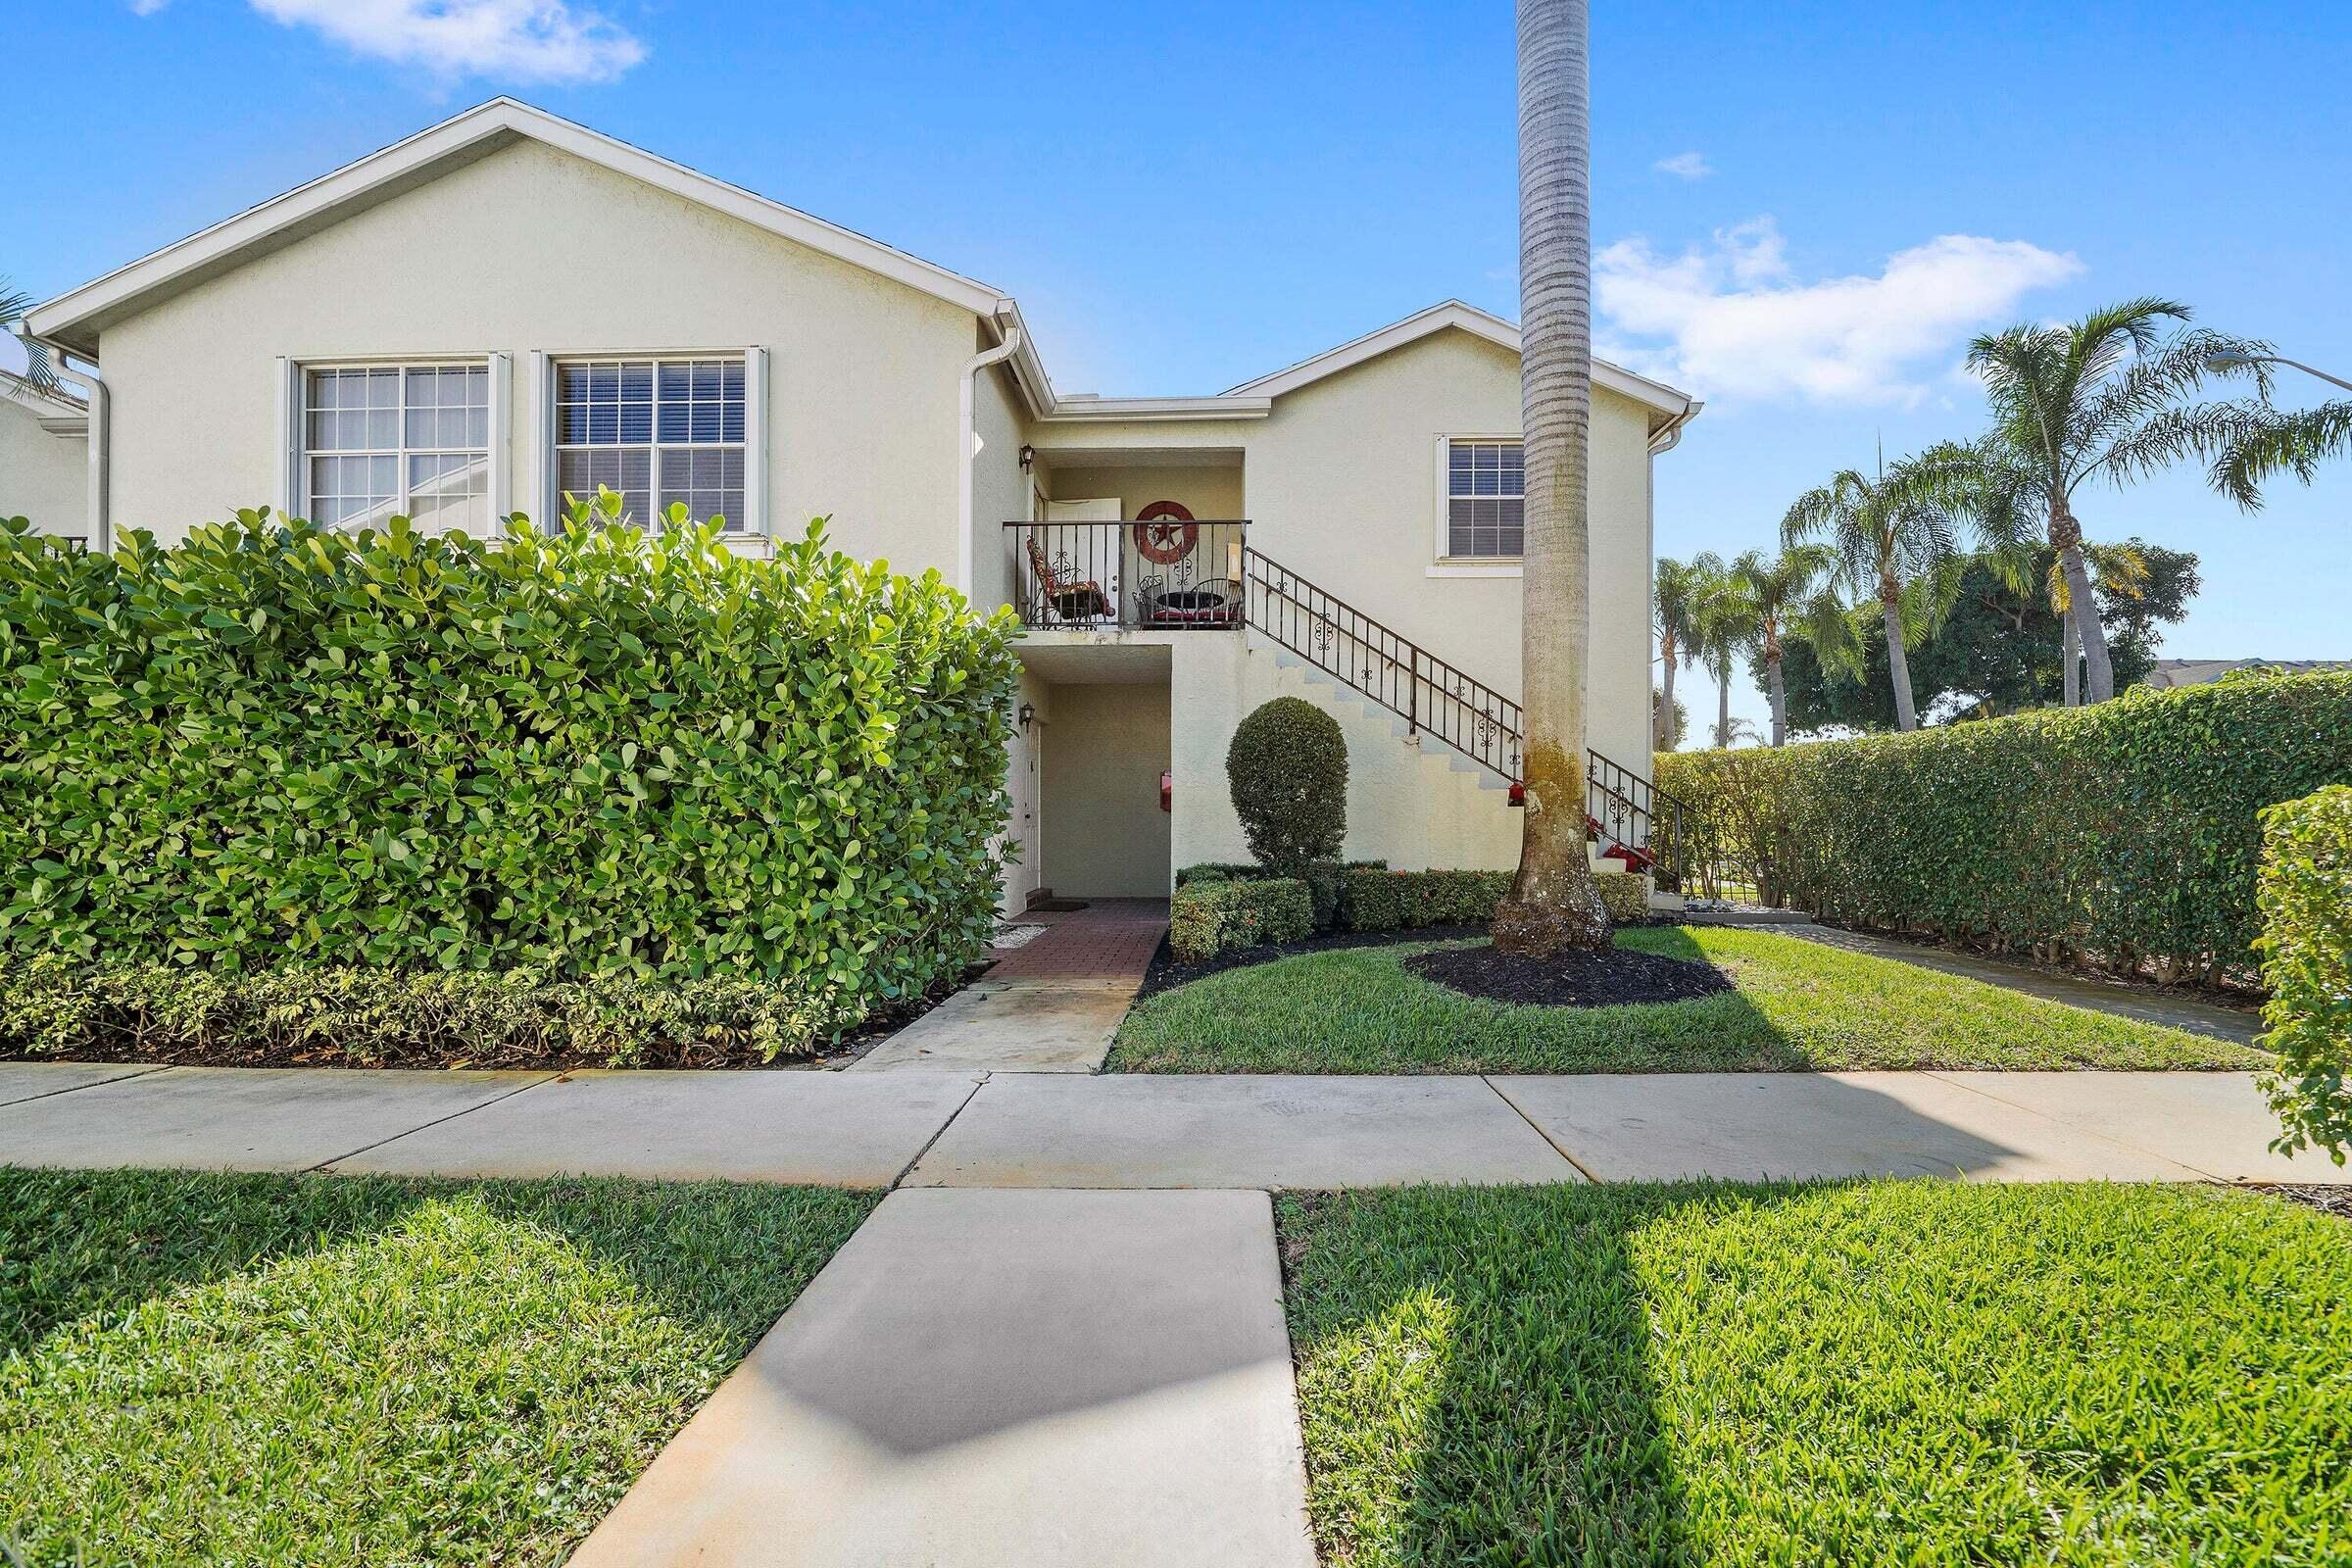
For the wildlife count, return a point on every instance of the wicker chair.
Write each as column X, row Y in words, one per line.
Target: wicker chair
column 1069, row 599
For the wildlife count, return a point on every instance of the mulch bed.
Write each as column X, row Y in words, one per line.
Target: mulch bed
column 1614, row 977
column 1166, row 974
column 2336, row 1200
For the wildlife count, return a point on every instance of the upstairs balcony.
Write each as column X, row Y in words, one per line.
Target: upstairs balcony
column 1164, row 574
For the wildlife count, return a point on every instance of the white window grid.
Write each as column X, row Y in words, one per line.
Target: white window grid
column 658, row 429
column 379, row 441
column 1485, row 500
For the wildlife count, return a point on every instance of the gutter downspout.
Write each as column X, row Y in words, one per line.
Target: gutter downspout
column 969, row 443
column 101, row 401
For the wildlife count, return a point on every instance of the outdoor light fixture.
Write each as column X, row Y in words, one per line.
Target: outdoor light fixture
column 1028, row 456
column 2229, row 360
column 1028, row 715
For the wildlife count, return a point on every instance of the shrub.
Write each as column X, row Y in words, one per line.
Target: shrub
column 1404, row 901
column 1232, row 871
column 2306, row 943
column 1209, row 918
column 53, row 1005
column 574, row 753
column 1288, row 770
column 2127, row 831
column 1624, row 895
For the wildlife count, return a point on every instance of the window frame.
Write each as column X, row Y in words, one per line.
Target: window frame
column 546, row 367
column 294, row 497
column 1442, row 562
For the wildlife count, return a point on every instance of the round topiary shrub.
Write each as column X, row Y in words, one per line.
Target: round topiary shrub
column 1288, row 770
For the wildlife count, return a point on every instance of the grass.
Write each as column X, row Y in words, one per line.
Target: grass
column 1798, row 1005
column 1902, row 1372
column 339, row 1370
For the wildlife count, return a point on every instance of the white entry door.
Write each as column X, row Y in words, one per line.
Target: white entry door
column 1096, row 553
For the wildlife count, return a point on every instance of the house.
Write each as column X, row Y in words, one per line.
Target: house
column 2167, row 674
column 44, row 458
column 509, row 306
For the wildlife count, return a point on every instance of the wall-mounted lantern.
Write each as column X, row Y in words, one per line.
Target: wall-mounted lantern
column 1027, row 716
column 1028, row 456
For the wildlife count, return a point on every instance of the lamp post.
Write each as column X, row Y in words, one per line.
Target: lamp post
column 2223, row 364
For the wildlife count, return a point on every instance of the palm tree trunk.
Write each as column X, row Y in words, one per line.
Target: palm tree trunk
column 1898, row 665
column 1553, row 903
column 1665, row 726
column 2066, row 537
column 1780, row 697
column 1723, row 707
column 2074, row 661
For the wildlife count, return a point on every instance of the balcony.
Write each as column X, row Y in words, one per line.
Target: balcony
column 1160, row 574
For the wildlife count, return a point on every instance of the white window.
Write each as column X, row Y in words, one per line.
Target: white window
column 660, row 432
column 1485, row 500
column 406, row 440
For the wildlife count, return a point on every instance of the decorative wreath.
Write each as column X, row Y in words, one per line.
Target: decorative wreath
column 1165, row 533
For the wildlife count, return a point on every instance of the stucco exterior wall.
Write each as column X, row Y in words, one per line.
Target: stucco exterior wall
column 999, row 489
column 1208, row 493
column 1105, row 750
column 43, row 477
column 1340, row 486
column 532, row 249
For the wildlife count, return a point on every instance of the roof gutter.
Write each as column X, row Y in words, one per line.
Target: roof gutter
column 1670, row 434
column 100, row 399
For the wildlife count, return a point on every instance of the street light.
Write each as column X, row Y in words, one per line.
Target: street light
column 2229, row 360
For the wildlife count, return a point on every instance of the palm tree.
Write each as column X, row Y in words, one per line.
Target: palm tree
column 2120, row 571
column 1674, row 617
column 1895, row 541
column 2297, row 443
column 1553, row 903
column 2108, row 396
column 1718, row 630
column 13, row 303
column 1771, row 598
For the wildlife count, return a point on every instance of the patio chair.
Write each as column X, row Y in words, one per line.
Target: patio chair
column 1069, row 599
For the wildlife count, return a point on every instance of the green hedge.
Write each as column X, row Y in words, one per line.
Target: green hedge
column 1402, row 900
column 2127, row 831
column 1235, row 871
column 147, row 1012
column 576, row 753
column 2306, row 900
column 1209, row 918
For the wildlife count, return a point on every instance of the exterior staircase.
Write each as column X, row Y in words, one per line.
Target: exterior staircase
column 1479, row 732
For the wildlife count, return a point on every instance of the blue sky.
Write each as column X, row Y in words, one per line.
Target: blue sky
column 1185, row 197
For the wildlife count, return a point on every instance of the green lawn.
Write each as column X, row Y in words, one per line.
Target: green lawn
column 330, row 1370
column 1799, row 1004
column 1902, row 1372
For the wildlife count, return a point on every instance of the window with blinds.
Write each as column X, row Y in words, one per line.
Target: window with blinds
column 1486, row 497
column 658, row 431
column 401, row 440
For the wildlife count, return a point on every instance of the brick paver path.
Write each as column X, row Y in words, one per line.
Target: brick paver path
column 1109, row 939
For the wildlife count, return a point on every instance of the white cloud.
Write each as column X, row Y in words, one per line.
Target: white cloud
column 147, row 8
column 523, row 41
column 1684, row 166
column 1733, row 321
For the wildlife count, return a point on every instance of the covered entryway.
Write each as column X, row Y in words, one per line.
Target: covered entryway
column 1101, row 823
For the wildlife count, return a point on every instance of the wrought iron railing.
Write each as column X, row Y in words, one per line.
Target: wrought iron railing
column 1164, row 574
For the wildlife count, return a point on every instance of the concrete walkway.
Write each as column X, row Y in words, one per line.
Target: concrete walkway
column 1017, row 1380
column 1050, row 1005
column 933, row 1128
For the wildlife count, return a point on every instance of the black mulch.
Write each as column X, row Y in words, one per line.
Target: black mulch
column 1611, row 978
column 1166, row 974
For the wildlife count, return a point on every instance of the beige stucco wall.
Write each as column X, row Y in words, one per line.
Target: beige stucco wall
column 1213, row 493
column 532, row 249
column 1105, row 750
column 1341, row 483
column 43, row 477
column 999, row 489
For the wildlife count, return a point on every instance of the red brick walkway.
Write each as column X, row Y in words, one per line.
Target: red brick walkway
column 1109, row 939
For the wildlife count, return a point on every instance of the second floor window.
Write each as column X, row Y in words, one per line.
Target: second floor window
column 658, row 431
column 1486, row 497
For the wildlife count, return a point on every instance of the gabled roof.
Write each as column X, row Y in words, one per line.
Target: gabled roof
column 77, row 317
column 1663, row 400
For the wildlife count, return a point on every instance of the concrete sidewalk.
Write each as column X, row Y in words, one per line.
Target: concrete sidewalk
column 1007, row 1130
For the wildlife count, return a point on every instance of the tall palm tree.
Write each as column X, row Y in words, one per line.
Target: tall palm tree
column 1718, row 630
column 1896, row 540
column 13, row 303
column 2296, row 443
column 1674, row 617
column 1773, row 598
column 2121, row 573
column 2109, row 397
column 1553, row 903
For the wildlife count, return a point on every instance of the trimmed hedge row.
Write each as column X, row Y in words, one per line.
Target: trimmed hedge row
column 1401, row 901
column 2306, row 901
column 1209, row 918
column 2127, row 831
column 54, row 1004
column 587, row 751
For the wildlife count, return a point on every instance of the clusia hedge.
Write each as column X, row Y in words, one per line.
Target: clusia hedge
column 581, row 752
column 2306, row 963
column 2129, row 832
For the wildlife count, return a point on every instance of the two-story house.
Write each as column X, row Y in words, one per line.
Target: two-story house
column 506, row 306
